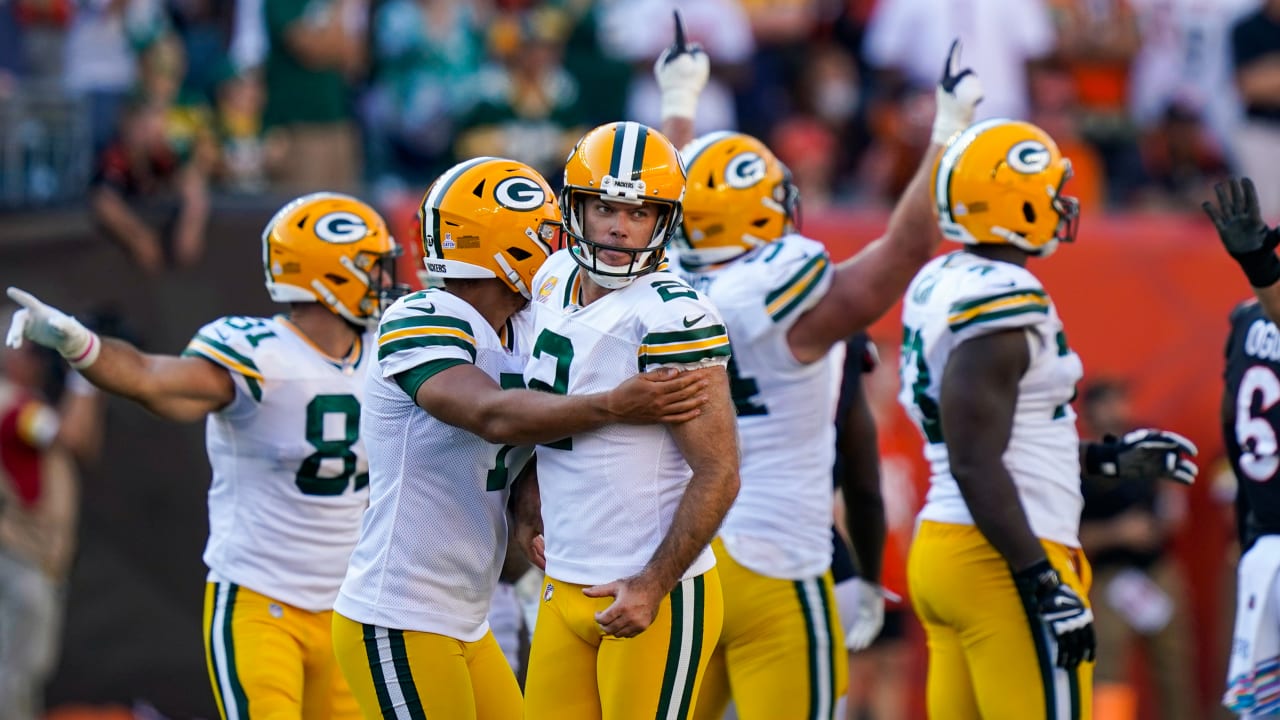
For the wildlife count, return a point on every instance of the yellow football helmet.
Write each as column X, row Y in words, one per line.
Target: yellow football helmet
column 489, row 218
column 1000, row 181
column 323, row 247
column 740, row 197
column 630, row 163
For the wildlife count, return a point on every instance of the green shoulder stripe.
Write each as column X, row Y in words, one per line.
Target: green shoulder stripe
column 971, row 304
column 419, row 341
column 255, row 387
column 682, row 336
column 785, row 299
column 227, row 349
column 425, row 321
column 1000, row 314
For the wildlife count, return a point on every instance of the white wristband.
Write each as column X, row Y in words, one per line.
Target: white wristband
column 679, row 104
column 84, row 356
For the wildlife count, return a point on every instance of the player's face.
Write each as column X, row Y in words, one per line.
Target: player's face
column 620, row 224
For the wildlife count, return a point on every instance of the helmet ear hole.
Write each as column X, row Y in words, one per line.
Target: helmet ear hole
column 335, row 278
column 1028, row 212
column 519, row 254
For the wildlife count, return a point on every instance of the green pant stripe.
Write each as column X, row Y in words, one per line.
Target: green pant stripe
column 404, row 675
column 1039, row 635
column 375, row 669
column 819, row 701
column 673, row 652
column 833, row 646
column 228, row 678
column 695, row 650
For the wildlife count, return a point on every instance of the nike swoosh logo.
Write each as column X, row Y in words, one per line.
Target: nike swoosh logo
column 690, row 323
column 430, row 309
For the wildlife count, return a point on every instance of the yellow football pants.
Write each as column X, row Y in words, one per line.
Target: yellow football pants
column 781, row 653
column 270, row 660
column 990, row 656
column 577, row 673
column 407, row 675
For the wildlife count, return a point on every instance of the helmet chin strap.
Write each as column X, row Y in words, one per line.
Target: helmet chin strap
column 333, row 302
column 512, row 275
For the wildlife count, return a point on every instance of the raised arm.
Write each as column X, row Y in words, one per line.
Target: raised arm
column 681, row 71
column 175, row 388
column 464, row 396
column 1248, row 240
column 865, row 286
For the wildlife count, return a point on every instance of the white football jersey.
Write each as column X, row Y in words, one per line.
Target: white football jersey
column 960, row 296
column 290, row 479
column 435, row 536
column 780, row 524
column 609, row 496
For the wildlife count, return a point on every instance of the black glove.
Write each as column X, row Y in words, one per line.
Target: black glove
column 1062, row 611
column 1143, row 454
column 1239, row 223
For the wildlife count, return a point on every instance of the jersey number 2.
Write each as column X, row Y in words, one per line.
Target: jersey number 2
column 308, row 479
column 1257, row 438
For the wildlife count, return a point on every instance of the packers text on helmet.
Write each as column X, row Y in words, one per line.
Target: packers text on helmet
column 332, row 249
column 628, row 163
column 489, row 218
column 1000, row 181
column 739, row 197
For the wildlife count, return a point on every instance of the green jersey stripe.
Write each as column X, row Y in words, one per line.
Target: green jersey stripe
column 800, row 297
column 425, row 321
column 224, row 348
column 971, row 304
column 1000, row 314
column 693, row 356
column 795, row 278
column 683, row 336
column 410, row 343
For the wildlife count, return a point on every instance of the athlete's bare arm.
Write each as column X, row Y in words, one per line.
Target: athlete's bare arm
column 979, row 394
column 464, row 396
column 860, row 484
column 183, row 389
column 709, row 444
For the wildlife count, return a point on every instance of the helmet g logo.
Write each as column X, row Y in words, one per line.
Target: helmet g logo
column 519, row 193
column 744, row 170
column 341, row 228
column 1028, row 157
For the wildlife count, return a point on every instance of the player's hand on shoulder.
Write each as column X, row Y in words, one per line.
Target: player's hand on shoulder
column 1147, row 453
column 48, row 326
column 635, row 605
column 664, row 395
column 682, row 71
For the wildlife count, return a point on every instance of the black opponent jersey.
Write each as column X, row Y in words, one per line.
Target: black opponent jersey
column 1251, row 419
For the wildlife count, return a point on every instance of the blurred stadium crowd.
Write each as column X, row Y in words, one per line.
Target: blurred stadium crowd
column 183, row 98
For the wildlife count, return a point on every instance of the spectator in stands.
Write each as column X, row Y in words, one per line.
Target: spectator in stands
column 425, row 57
column 527, row 105
column 1097, row 41
column 314, row 47
column 141, row 164
column 243, row 154
column 1138, row 590
column 907, row 40
column 1055, row 107
column 1255, row 52
column 638, row 30
column 783, row 32
column 38, row 506
column 1185, row 62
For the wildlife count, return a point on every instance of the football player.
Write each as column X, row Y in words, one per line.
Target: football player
column 1250, row 422
column 1248, row 240
column 444, row 442
column 282, row 398
column 788, row 308
column 632, row 604
column 996, row 572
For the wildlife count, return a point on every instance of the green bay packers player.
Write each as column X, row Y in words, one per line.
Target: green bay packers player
column 788, row 310
column 632, row 604
column 996, row 572
column 282, row 397
column 445, row 439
